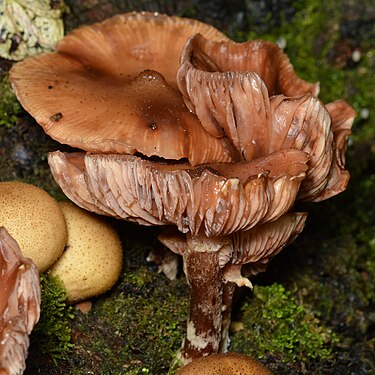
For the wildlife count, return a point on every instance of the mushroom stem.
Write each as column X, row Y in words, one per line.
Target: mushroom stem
column 228, row 292
column 205, row 278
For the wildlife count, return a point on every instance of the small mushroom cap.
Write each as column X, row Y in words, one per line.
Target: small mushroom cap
column 224, row 364
column 35, row 220
column 216, row 199
column 92, row 261
column 20, row 299
column 111, row 88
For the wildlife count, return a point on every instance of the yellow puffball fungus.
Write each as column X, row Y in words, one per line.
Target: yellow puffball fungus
column 92, row 261
column 35, row 220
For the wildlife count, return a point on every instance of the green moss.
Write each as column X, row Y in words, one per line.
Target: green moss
column 144, row 317
column 52, row 334
column 138, row 371
column 312, row 37
column 10, row 108
column 342, row 293
column 277, row 326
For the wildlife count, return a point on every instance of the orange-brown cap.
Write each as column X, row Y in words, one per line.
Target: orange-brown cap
column 19, row 304
column 111, row 88
column 214, row 199
column 225, row 364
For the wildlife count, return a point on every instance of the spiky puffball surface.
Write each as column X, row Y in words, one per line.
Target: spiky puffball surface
column 92, row 261
column 35, row 220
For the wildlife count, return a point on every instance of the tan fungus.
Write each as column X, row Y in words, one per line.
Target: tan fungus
column 92, row 261
column 35, row 220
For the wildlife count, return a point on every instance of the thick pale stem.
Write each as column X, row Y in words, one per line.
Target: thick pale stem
column 204, row 275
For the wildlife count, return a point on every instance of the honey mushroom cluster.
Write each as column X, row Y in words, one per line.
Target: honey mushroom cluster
column 184, row 128
column 83, row 250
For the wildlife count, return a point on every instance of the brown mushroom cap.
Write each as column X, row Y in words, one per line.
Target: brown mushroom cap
column 111, row 88
column 201, row 199
column 19, row 304
column 35, row 220
column 224, row 364
column 129, row 43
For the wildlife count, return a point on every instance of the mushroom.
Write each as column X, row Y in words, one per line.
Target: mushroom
column 123, row 72
column 20, row 300
column 213, row 200
column 224, row 170
column 213, row 268
column 35, row 220
column 92, row 261
column 210, row 204
column 224, row 364
column 237, row 91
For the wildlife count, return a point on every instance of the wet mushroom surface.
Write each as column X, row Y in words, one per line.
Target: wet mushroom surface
column 123, row 72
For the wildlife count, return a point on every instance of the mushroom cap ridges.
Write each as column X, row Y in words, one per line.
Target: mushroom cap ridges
column 231, row 88
column 35, row 220
column 224, row 364
column 259, row 56
column 202, row 199
column 92, row 261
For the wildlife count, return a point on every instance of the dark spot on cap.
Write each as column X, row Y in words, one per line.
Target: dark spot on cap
column 50, row 87
column 153, row 126
column 56, row 117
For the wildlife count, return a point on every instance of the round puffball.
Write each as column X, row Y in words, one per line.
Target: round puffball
column 92, row 261
column 35, row 220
